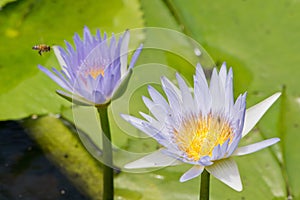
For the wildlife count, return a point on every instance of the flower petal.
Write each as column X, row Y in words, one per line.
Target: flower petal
column 202, row 95
column 147, row 128
column 156, row 109
column 135, row 56
column 173, row 95
column 155, row 159
column 227, row 171
column 74, row 98
column 217, row 93
column 124, row 52
column 60, row 59
column 255, row 147
column 157, row 97
column 55, row 78
column 156, row 124
column 187, row 99
column 254, row 113
column 122, row 86
column 192, row 173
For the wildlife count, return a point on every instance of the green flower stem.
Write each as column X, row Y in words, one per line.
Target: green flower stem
column 108, row 178
column 204, row 185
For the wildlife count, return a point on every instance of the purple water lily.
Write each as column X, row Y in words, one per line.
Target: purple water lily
column 93, row 72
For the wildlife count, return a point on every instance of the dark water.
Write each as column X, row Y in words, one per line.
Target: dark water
column 25, row 173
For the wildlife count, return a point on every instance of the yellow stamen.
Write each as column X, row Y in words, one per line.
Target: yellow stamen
column 199, row 135
column 95, row 72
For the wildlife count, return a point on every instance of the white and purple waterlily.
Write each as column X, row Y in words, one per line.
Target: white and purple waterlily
column 93, row 72
column 203, row 128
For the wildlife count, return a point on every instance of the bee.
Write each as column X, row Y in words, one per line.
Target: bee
column 41, row 48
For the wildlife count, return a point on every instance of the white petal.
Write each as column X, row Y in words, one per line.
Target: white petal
column 223, row 74
column 157, row 97
column 229, row 97
column 167, row 84
column 255, row 147
column 124, row 52
column 192, row 173
column 254, row 113
column 156, row 159
column 60, row 59
column 156, row 124
column 226, row 171
column 157, row 110
column 201, row 92
column 173, row 95
column 148, row 129
column 217, row 93
column 187, row 99
column 220, row 150
column 140, row 124
column 149, row 118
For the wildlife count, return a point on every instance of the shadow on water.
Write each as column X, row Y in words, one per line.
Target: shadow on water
column 25, row 172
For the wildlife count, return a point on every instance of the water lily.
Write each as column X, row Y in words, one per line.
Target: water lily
column 202, row 128
column 93, row 72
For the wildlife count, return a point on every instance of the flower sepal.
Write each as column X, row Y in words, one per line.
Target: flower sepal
column 123, row 86
column 74, row 98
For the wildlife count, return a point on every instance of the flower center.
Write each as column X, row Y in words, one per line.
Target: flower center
column 198, row 136
column 94, row 72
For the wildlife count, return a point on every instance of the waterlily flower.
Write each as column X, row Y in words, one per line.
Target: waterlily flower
column 96, row 70
column 202, row 128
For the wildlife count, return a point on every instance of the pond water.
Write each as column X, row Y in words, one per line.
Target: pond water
column 25, row 172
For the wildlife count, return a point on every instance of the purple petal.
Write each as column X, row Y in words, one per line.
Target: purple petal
column 255, row 147
column 194, row 172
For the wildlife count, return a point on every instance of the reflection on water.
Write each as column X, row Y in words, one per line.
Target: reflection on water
column 25, row 173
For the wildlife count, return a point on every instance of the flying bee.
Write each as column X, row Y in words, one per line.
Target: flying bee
column 41, row 48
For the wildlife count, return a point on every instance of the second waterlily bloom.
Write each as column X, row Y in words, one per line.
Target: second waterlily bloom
column 94, row 71
column 202, row 128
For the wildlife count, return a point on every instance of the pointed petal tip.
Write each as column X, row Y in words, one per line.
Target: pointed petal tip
column 199, row 65
column 181, row 180
column 141, row 46
column 41, row 67
column 244, row 150
column 150, row 87
column 239, row 188
column 194, row 172
column 256, row 112
column 274, row 140
column 126, row 36
column 154, row 159
column 227, row 171
column 129, row 166
column 224, row 65
column 125, row 117
column 135, row 56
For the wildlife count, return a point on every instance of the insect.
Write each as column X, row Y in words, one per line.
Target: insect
column 41, row 48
